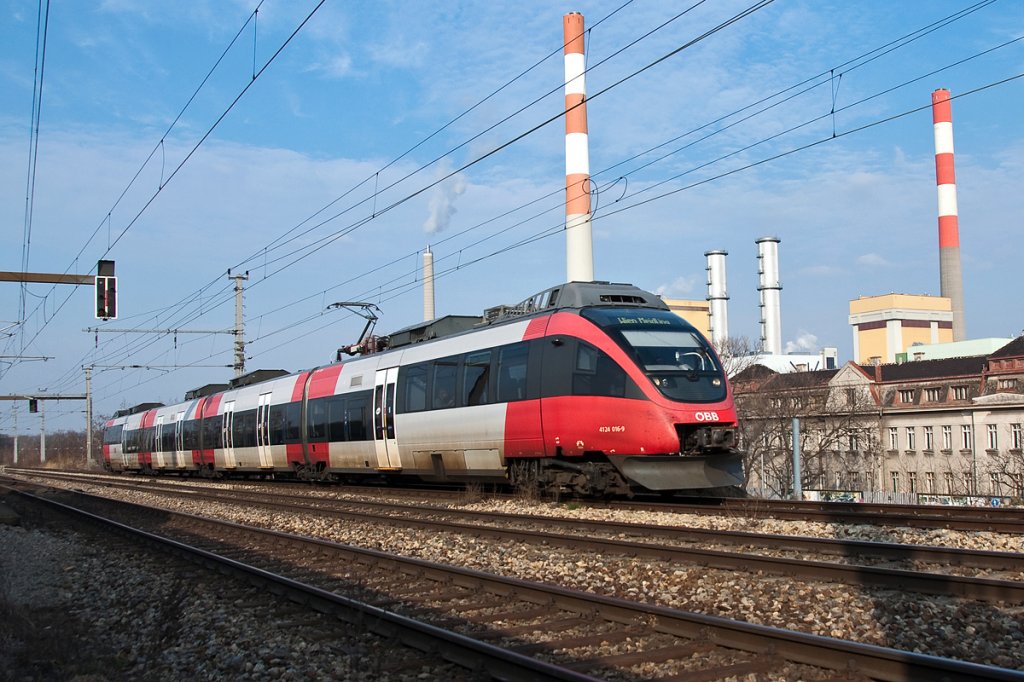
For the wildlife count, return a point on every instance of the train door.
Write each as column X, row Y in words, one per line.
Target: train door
column 263, row 431
column 384, row 419
column 179, row 454
column 158, row 443
column 226, row 438
column 124, row 446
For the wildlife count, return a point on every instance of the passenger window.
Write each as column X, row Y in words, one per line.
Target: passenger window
column 476, row 376
column 414, row 388
column 445, row 372
column 355, row 416
column 512, row 372
column 317, row 419
column 586, row 358
column 292, row 423
column 597, row 374
column 336, row 420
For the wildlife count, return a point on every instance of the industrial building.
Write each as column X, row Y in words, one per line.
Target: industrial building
column 885, row 327
column 697, row 313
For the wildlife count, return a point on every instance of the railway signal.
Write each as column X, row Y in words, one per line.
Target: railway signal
column 106, row 291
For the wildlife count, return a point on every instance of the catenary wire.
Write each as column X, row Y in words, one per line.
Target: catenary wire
column 705, row 164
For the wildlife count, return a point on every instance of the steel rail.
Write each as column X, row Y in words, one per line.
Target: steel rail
column 847, row 657
column 984, row 589
column 995, row 519
column 470, row 653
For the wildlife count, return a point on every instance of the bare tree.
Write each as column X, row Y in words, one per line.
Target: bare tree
column 737, row 354
column 839, row 441
column 1008, row 470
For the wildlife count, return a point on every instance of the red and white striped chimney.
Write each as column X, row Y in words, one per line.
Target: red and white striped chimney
column 951, row 280
column 579, row 242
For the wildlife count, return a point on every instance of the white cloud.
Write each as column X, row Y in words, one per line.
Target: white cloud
column 337, row 66
column 805, row 343
column 873, row 260
column 680, row 286
column 821, row 270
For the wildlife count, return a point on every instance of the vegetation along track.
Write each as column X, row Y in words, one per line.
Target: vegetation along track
column 567, row 634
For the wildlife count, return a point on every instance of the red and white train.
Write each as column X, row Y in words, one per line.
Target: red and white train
column 593, row 388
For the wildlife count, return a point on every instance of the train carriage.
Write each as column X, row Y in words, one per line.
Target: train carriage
column 589, row 387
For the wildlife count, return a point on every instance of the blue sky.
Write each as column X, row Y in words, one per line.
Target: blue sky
column 370, row 104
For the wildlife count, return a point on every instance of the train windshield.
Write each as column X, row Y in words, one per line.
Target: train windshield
column 668, row 349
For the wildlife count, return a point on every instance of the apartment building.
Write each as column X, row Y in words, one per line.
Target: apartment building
column 952, row 426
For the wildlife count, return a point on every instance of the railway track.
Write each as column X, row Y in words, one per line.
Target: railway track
column 551, row 632
column 994, row 519
column 770, row 554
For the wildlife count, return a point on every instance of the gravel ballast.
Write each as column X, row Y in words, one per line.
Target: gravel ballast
column 982, row 633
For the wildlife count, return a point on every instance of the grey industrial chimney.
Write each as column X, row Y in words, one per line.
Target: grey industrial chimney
column 769, row 288
column 428, row 285
column 718, row 297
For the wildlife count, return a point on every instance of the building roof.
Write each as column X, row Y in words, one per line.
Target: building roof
column 955, row 349
column 1011, row 350
column 927, row 369
column 794, row 380
column 761, row 377
column 755, row 372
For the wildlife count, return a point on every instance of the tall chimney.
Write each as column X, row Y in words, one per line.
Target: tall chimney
column 769, row 288
column 428, row 285
column 951, row 279
column 579, row 242
column 718, row 296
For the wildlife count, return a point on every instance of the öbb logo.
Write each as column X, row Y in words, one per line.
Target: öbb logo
column 706, row 416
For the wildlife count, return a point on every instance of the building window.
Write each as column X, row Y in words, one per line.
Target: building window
column 1007, row 384
column 929, row 480
column 1016, row 436
column 996, row 485
column 912, row 481
column 993, row 437
column 968, row 483
column 929, row 438
column 895, row 481
column 854, row 479
column 947, row 437
column 966, row 437
column 948, row 478
column 911, row 440
column 961, row 392
column 894, row 438
column 1018, row 483
column 907, row 395
column 933, row 395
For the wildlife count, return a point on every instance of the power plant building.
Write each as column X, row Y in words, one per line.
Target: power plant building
column 885, row 327
column 697, row 313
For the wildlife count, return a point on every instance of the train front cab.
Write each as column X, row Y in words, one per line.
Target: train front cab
column 564, row 397
column 641, row 388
